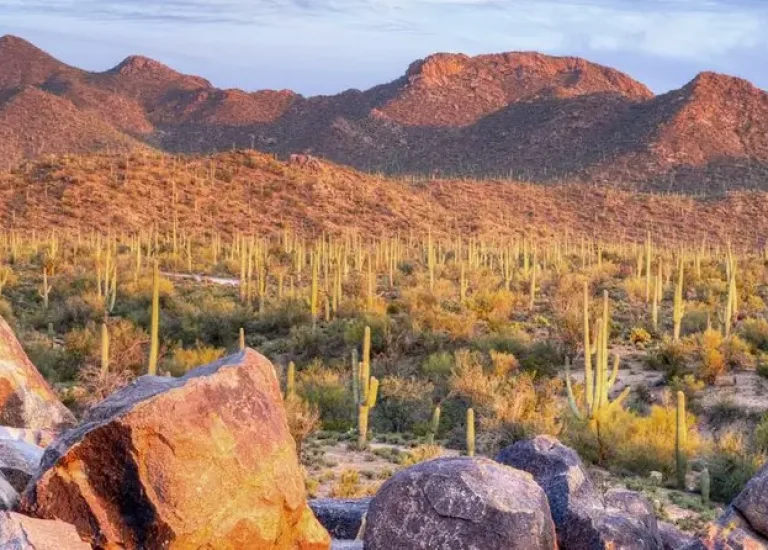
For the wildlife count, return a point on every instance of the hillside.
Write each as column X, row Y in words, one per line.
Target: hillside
column 523, row 115
column 253, row 192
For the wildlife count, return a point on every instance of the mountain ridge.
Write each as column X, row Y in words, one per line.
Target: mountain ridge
column 524, row 114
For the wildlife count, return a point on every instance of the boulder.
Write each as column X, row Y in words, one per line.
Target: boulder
column 730, row 532
column 582, row 520
column 41, row 438
column 635, row 506
column 342, row 518
column 201, row 461
column 26, row 399
column 752, row 502
column 673, row 538
column 18, row 462
column 19, row 532
column 9, row 497
column 459, row 503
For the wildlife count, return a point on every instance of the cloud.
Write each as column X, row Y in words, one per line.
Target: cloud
column 321, row 45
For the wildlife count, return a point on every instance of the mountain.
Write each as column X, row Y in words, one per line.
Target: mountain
column 525, row 115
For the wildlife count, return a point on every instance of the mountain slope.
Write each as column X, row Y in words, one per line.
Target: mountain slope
column 252, row 192
column 535, row 117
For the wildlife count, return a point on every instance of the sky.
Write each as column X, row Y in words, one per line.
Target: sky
column 326, row 46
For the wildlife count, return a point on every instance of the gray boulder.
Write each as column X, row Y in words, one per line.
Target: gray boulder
column 752, row 502
column 18, row 462
column 673, row 538
column 9, row 497
column 340, row 517
column 582, row 518
column 460, row 503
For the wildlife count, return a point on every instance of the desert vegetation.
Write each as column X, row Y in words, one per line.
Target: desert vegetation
column 648, row 359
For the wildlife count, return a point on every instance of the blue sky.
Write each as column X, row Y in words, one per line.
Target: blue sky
column 325, row 46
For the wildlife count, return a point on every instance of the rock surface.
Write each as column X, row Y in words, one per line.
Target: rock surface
column 18, row 462
column 582, row 519
column 460, row 503
column 673, row 538
column 19, row 532
column 730, row 532
column 26, row 399
column 342, row 518
column 9, row 497
column 752, row 502
column 202, row 461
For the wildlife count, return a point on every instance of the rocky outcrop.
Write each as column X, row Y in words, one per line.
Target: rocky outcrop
column 205, row 460
column 19, row 532
column 744, row 524
column 460, row 503
column 18, row 462
column 26, row 399
column 342, row 518
column 9, row 497
column 673, row 538
column 583, row 518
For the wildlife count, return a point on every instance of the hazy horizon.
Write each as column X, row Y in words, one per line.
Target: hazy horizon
column 327, row 46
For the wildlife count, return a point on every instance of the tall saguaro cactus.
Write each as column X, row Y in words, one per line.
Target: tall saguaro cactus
column 681, row 436
column 597, row 381
column 470, row 432
column 678, row 306
column 154, row 347
column 368, row 389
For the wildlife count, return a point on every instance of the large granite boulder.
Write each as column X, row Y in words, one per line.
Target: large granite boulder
column 18, row 462
column 581, row 516
column 341, row 517
column 26, row 399
column 202, row 461
column 459, row 503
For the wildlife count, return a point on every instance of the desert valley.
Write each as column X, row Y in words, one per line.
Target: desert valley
column 503, row 301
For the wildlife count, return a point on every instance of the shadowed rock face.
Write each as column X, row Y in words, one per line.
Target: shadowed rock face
column 341, row 517
column 460, row 504
column 200, row 461
column 26, row 399
column 584, row 520
column 23, row 533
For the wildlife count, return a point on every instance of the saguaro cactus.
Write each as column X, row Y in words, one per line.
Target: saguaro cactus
column 104, row 349
column 154, row 347
column 704, row 486
column 369, row 389
column 241, row 339
column 434, row 425
column 290, row 380
column 597, row 382
column 679, row 306
column 681, row 436
column 470, row 432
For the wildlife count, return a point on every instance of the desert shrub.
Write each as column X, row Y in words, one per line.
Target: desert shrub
column 639, row 336
column 755, row 332
column 421, row 454
column 737, row 353
column 330, row 393
column 509, row 408
column 691, row 388
column 633, row 442
column 503, row 363
column 731, row 465
column 404, row 405
column 695, row 319
column 669, row 358
column 711, row 361
column 760, row 435
column 437, row 367
column 303, row 419
column 183, row 360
